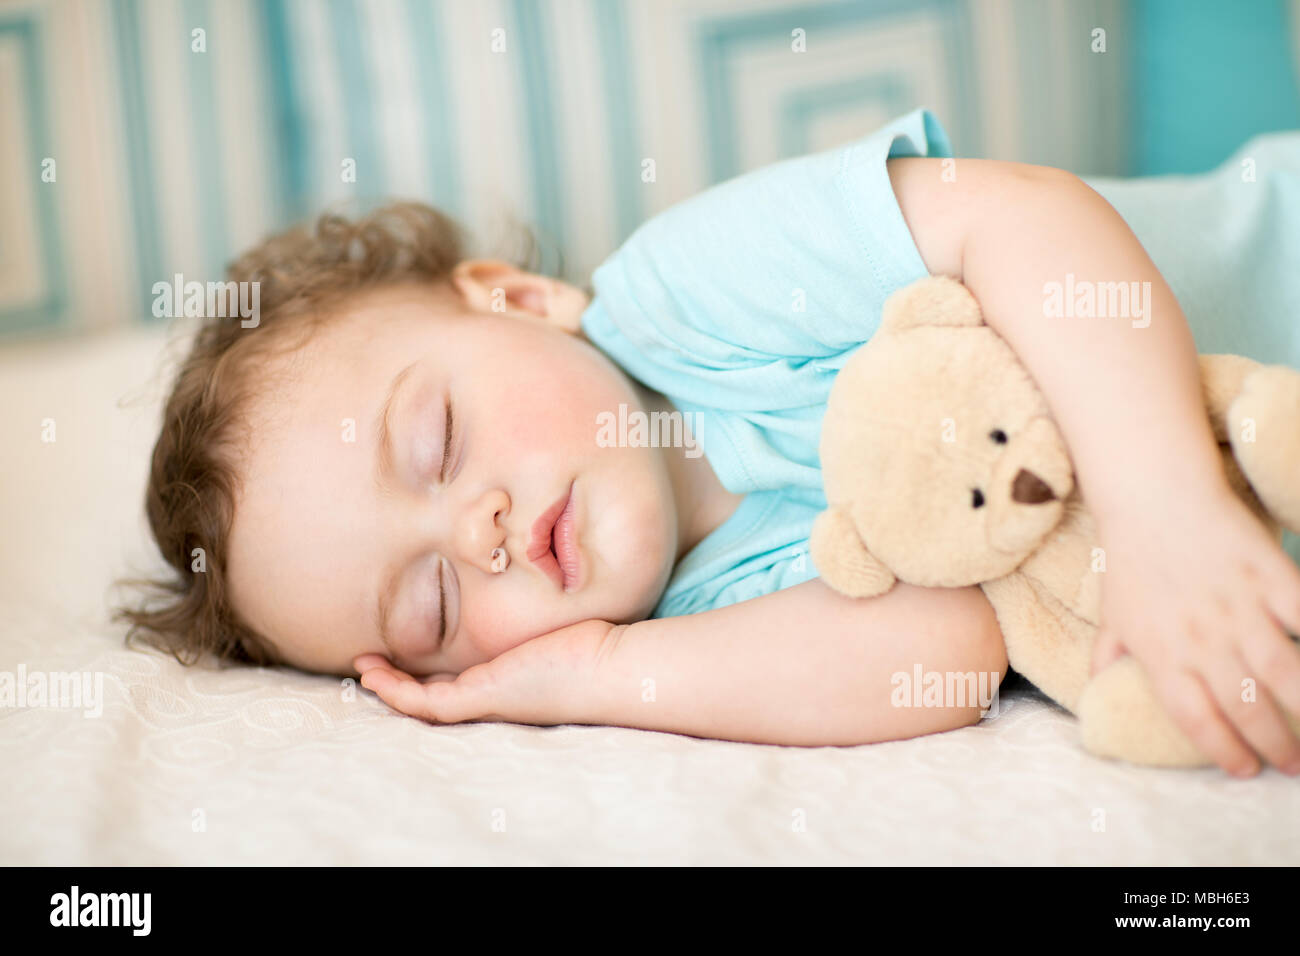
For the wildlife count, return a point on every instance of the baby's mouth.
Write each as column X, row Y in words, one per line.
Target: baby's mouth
column 553, row 546
column 564, row 543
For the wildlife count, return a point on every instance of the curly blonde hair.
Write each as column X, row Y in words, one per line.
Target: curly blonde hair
column 304, row 274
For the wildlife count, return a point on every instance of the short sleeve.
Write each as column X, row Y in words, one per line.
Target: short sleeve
column 796, row 254
column 743, row 301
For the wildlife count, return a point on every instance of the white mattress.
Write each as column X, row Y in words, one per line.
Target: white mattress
column 188, row 766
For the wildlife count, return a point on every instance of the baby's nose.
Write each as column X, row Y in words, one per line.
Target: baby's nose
column 480, row 537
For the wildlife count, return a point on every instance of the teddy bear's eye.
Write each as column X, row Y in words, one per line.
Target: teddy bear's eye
column 976, row 498
column 999, row 436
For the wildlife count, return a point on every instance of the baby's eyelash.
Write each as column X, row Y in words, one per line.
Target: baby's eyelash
column 446, row 443
column 442, row 609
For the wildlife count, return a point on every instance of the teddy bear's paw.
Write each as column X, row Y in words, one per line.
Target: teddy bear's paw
column 843, row 561
column 1121, row 718
column 1264, row 429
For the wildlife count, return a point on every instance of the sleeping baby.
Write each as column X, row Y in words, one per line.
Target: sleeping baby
column 455, row 477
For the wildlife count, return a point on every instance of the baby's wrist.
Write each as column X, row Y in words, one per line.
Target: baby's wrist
column 578, row 694
column 615, row 687
column 1173, row 500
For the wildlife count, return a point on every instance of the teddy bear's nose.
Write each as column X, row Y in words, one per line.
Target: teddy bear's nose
column 1029, row 489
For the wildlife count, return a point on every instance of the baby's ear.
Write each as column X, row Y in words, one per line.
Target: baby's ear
column 496, row 287
column 934, row 300
column 842, row 559
column 567, row 304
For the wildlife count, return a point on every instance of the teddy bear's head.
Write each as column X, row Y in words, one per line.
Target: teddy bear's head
column 938, row 450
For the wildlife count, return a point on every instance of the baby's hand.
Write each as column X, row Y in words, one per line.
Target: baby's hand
column 546, row 680
column 1204, row 605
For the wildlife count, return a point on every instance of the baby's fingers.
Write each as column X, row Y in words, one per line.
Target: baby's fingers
column 1192, row 708
column 1283, row 596
column 368, row 662
column 1247, row 702
column 1274, row 659
column 436, row 699
column 365, row 662
column 402, row 693
column 1266, row 646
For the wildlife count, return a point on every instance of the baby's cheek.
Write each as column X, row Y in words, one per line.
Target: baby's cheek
column 537, row 415
column 506, row 619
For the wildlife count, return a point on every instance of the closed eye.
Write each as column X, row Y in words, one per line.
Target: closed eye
column 442, row 606
column 446, row 442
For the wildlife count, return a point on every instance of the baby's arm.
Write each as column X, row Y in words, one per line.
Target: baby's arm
column 802, row 666
column 1123, row 389
column 1194, row 587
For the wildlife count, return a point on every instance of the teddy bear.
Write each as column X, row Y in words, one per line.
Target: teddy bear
column 943, row 468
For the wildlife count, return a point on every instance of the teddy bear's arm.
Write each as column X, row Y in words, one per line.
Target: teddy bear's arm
column 843, row 560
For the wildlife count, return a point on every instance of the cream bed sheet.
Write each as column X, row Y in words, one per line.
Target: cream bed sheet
column 201, row 766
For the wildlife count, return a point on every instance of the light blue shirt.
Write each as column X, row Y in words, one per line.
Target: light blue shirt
column 740, row 305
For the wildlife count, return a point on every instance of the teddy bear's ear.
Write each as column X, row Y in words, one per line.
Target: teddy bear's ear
column 843, row 561
column 934, row 300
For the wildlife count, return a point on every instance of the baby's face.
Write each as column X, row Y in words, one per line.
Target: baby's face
column 338, row 530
